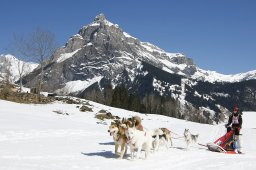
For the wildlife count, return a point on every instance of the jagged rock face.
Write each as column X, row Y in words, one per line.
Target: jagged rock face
column 103, row 49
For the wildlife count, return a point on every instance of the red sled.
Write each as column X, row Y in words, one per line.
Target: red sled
column 224, row 144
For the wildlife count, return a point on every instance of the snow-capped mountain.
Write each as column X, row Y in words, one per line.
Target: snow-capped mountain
column 213, row 76
column 11, row 63
column 102, row 56
column 103, row 48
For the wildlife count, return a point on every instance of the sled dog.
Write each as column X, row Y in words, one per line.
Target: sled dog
column 190, row 138
column 138, row 140
column 159, row 138
column 119, row 137
column 168, row 135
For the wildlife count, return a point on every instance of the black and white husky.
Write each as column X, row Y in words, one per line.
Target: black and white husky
column 190, row 138
column 159, row 138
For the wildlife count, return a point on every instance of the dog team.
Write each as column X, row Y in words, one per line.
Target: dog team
column 130, row 132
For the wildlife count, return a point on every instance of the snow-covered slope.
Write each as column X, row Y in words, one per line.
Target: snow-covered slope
column 33, row 137
column 77, row 86
column 11, row 62
column 213, row 76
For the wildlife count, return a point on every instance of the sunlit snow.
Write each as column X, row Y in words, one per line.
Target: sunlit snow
column 34, row 137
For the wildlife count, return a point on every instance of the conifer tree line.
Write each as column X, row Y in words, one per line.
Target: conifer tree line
column 121, row 98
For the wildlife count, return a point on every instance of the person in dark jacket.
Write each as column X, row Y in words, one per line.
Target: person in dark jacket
column 235, row 122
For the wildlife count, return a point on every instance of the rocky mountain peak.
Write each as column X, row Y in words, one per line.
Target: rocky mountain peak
column 100, row 17
column 101, row 21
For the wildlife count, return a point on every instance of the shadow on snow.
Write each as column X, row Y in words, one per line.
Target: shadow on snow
column 105, row 154
column 107, row 143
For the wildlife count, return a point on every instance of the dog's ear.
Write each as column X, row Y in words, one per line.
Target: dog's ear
column 123, row 120
column 116, row 121
column 128, row 123
column 134, row 123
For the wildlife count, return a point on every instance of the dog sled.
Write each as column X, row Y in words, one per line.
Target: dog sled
column 224, row 144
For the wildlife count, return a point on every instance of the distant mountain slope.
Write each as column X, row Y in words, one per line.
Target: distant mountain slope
column 10, row 62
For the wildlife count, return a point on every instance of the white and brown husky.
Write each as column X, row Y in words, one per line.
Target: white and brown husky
column 119, row 137
column 190, row 138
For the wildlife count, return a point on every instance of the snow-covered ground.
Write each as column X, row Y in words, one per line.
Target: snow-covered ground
column 33, row 137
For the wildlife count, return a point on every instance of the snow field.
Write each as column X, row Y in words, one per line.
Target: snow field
column 33, row 137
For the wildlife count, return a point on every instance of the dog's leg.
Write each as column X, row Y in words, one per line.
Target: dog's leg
column 123, row 148
column 166, row 143
column 187, row 145
column 157, row 143
column 147, row 150
column 138, row 152
column 154, row 145
column 132, row 153
column 116, row 148
column 170, row 138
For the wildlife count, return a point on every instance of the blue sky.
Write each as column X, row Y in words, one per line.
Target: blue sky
column 218, row 35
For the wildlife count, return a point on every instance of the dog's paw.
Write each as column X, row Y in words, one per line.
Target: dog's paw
column 117, row 153
column 132, row 158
